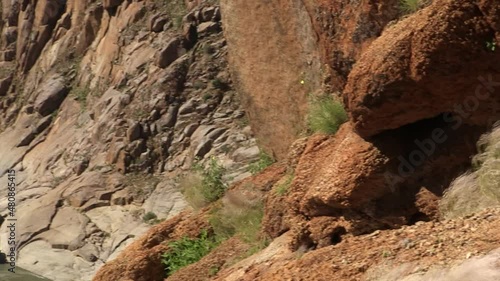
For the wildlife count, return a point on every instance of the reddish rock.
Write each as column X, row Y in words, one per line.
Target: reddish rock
column 344, row 171
column 433, row 62
column 141, row 260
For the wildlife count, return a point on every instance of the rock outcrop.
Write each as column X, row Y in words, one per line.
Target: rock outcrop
column 98, row 132
column 410, row 85
column 104, row 105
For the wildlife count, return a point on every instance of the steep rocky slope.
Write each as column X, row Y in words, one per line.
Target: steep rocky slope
column 420, row 90
column 104, row 105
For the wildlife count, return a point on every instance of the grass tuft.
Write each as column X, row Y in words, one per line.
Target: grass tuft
column 326, row 114
column 265, row 160
column 479, row 188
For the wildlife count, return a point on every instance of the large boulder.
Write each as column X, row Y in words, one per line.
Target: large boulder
column 435, row 61
column 50, row 95
column 172, row 51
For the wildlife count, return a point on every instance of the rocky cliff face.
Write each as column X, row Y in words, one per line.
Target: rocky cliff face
column 104, row 104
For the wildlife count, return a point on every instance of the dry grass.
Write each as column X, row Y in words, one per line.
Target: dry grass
column 326, row 114
column 478, row 189
column 238, row 214
column 191, row 186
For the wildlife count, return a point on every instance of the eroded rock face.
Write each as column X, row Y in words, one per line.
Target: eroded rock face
column 50, row 96
column 97, row 132
column 415, row 72
column 270, row 60
column 303, row 47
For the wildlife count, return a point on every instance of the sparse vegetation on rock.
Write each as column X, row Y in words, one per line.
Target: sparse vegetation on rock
column 204, row 184
column 186, row 251
column 478, row 189
column 326, row 114
column 410, row 6
column 265, row 160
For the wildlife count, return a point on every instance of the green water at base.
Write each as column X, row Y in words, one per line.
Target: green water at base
column 20, row 275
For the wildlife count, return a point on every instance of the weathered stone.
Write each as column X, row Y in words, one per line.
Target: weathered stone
column 88, row 252
column 10, row 35
column 47, row 12
column 157, row 22
column 207, row 14
column 217, row 15
column 121, row 197
column 50, row 95
column 246, row 153
column 5, row 84
column 165, row 208
column 189, row 130
column 27, row 139
column 107, row 4
column 190, row 34
column 168, row 119
column 187, row 107
column 81, row 166
column 134, row 132
column 203, row 148
column 208, row 27
column 67, row 227
column 114, row 151
column 172, row 50
column 136, row 147
column 122, row 162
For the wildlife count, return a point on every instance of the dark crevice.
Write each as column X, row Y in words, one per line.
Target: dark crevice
column 418, row 217
column 336, row 236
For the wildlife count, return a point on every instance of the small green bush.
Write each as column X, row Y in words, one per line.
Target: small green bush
column 149, row 216
column 213, row 185
column 186, row 251
column 326, row 114
column 409, row 6
column 264, row 161
column 205, row 185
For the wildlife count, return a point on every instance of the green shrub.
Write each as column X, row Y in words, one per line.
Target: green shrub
column 326, row 114
column 186, row 251
column 411, row 6
column 149, row 216
column 205, row 185
column 264, row 161
column 213, row 185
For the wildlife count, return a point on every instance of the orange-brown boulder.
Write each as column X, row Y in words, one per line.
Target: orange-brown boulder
column 435, row 61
